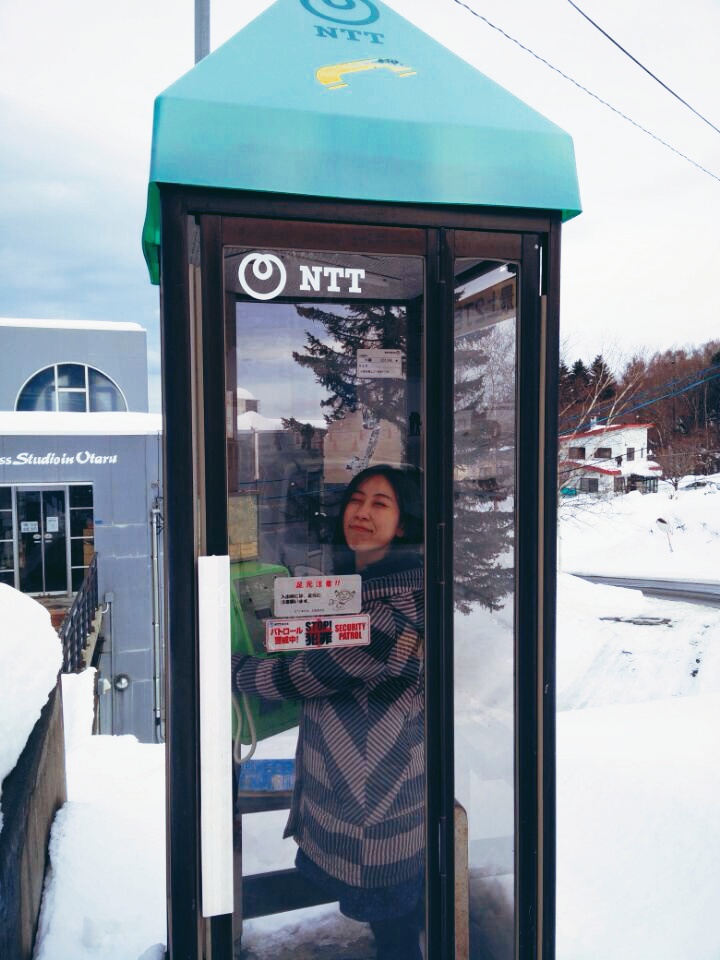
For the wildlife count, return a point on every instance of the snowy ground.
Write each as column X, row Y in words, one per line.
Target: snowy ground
column 638, row 775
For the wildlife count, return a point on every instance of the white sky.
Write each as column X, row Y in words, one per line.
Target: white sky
column 78, row 79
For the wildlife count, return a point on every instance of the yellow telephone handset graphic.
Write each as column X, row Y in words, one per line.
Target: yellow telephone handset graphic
column 332, row 75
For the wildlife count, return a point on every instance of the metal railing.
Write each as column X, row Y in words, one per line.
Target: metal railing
column 78, row 622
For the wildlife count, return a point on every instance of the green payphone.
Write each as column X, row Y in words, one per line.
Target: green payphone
column 251, row 604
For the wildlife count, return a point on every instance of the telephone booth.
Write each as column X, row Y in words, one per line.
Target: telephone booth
column 357, row 241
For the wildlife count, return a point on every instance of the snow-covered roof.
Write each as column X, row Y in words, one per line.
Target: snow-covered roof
column 252, row 420
column 45, row 424
column 605, row 428
column 628, row 468
column 70, row 324
column 243, row 394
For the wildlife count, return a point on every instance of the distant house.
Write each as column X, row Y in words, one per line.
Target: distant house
column 606, row 460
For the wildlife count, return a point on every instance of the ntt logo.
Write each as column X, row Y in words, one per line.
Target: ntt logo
column 257, row 270
column 263, row 267
column 355, row 12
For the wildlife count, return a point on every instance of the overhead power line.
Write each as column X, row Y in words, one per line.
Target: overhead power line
column 575, row 83
column 643, row 67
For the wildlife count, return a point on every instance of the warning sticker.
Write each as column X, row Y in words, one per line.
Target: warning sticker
column 317, row 633
column 317, row 595
column 376, row 364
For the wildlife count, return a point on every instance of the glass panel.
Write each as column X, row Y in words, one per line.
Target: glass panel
column 6, row 525
column 71, row 375
column 8, row 577
column 81, row 552
column 6, row 555
column 5, row 498
column 104, row 395
column 81, row 496
column 483, row 584
column 30, row 558
column 39, row 392
column 54, row 542
column 81, row 522
column 78, row 575
column 70, row 401
column 324, row 382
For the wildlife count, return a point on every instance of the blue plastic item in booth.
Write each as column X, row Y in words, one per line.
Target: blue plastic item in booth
column 266, row 776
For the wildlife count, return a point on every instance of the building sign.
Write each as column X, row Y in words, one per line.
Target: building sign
column 317, row 633
column 53, row 459
column 317, row 595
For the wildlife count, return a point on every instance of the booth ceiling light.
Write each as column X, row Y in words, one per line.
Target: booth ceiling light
column 352, row 102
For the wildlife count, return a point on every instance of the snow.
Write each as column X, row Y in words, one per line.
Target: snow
column 105, row 891
column 30, row 660
column 252, row 420
column 620, row 536
column 638, row 758
column 51, row 423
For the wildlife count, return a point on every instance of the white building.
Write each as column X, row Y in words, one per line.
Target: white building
column 607, row 459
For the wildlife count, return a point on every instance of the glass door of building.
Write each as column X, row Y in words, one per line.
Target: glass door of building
column 42, row 541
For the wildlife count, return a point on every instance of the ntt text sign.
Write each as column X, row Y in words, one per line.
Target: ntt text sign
column 54, row 459
column 263, row 276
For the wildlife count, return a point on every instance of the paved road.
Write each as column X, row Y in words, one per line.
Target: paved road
column 706, row 592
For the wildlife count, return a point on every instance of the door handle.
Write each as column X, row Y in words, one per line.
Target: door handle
column 216, row 802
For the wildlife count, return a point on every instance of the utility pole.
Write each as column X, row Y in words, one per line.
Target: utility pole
column 202, row 29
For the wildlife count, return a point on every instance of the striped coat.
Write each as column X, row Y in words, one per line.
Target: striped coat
column 358, row 805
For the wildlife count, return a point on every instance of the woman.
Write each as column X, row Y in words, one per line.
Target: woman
column 358, row 807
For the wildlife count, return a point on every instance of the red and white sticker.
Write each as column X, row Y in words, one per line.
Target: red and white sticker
column 317, row 633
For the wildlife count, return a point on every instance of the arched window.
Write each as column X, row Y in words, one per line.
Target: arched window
column 71, row 388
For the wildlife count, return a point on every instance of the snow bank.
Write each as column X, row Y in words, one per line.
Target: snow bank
column 619, row 536
column 638, row 831
column 30, row 659
column 105, row 891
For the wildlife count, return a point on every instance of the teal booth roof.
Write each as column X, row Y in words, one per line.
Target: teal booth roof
column 346, row 99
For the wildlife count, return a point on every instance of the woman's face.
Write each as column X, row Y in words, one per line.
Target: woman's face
column 371, row 520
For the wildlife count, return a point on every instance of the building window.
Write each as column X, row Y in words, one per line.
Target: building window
column 604, row 453
column 630, row 453
column 82, row 532
column 588, row 485
column 71, row 388
column 7, row 551
column 651, row 485
column 619, row 484
column 576, row 453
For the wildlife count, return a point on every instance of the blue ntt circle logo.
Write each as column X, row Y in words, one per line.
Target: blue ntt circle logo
column 355, row 12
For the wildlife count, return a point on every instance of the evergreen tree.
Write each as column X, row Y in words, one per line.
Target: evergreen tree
column 483, row 510
column 352, row 327
column 601, row 381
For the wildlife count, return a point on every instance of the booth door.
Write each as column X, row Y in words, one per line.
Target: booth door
column 323, row 381
column 329, row 349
